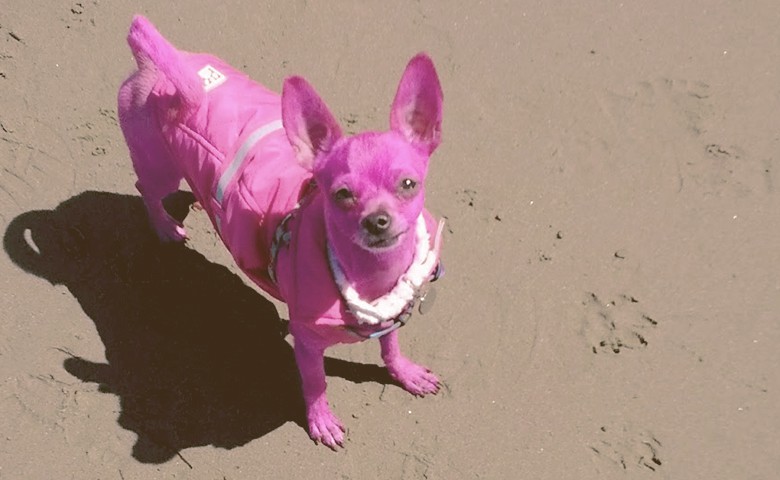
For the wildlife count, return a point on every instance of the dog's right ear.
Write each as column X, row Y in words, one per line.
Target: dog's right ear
column 309, row 125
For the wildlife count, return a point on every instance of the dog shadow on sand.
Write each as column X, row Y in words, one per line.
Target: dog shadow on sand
column 195, row 356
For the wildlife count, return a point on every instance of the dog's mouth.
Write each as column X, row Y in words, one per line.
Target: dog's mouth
column 383, row 242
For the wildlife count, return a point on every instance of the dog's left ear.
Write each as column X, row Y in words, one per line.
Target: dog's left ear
column 309, row 125
column 417, row 108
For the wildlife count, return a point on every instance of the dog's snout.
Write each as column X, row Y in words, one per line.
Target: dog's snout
column 377, row 223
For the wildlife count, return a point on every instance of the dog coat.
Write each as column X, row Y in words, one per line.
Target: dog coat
column 233, row 151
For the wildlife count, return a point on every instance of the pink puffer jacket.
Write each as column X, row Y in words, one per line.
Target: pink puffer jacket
column 224, row 132
column 236, row 157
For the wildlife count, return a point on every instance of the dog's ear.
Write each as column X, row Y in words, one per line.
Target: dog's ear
column 417, row 107
column 309, row 124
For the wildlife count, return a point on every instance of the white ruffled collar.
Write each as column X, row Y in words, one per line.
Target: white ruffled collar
column 392, row 304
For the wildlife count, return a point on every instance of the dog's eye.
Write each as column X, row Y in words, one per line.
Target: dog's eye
column 408, row 184
column 407, row 187
column 343, row 195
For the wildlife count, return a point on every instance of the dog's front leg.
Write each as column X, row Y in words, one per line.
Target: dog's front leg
column 323, row 425
column 415, row 379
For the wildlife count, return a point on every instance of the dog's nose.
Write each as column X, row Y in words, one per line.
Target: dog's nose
column 377, row 223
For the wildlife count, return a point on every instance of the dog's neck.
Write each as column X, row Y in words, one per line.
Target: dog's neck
column 373, row 274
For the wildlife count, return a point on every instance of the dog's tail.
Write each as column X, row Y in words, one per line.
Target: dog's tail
column 152, row 50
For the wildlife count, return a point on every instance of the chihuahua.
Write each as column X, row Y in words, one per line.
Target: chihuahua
column 333, row 225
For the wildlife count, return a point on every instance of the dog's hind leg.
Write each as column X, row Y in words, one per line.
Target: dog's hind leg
column 158, row 176
column 155, row 184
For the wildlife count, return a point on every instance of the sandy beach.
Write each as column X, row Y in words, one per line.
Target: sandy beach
column 609, row 173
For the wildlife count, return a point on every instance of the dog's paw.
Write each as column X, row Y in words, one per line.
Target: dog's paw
column 415, row 379
column 324, row 427
column 169, row 230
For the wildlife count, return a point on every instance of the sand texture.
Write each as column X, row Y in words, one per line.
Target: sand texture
column 611, row 308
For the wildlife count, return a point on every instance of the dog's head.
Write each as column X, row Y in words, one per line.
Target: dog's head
column 372, row 181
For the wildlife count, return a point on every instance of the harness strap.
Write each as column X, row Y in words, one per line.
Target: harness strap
column 281, row 238
column 282, row 233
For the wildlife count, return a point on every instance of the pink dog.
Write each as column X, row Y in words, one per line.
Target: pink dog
column 334, row 226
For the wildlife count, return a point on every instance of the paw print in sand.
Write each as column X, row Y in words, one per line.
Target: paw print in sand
column 612, row 326
column 627, row 448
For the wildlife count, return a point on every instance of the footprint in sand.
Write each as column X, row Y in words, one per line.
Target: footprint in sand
column 686, row 104
column 10, row 49
column 615, row 325
column 684, row 113
column 79, row 13
column 627, row 448
column 722, row 169
column 92, row 136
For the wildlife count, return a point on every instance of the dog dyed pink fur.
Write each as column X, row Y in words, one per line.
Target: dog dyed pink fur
column 369, row 191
